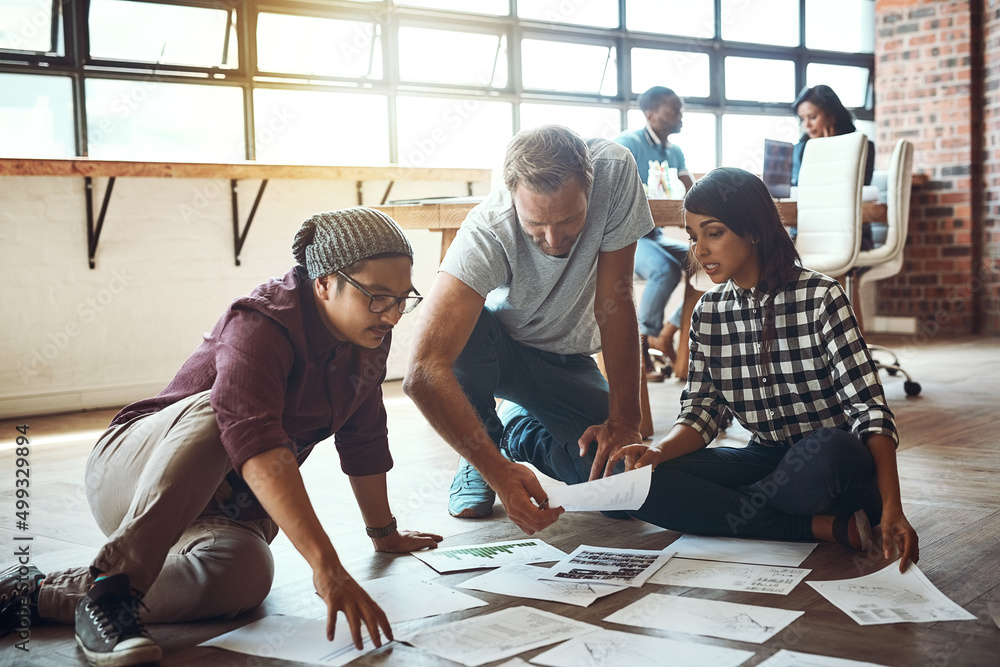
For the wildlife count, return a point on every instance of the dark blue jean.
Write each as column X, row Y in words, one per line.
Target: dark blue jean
column 764, row 492
column 556, row 397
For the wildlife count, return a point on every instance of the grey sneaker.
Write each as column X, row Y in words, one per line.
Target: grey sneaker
column 18, row 604
column 471, row 497
column 108, row 628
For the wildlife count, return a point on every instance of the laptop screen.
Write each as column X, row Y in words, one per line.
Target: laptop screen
column 777, row 174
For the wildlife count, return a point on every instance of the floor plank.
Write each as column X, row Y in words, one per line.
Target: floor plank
column 949, row 462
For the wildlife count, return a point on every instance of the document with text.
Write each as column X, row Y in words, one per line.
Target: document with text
column 888, row 596
column 480, row 639
column 604, row 565
column 523, row 581
column 624, row 491
column 711, row 618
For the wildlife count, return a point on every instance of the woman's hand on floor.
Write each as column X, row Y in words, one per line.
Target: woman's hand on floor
column 898, row 534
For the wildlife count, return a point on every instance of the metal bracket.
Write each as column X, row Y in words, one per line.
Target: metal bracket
column 94, row 233
column 240, row 237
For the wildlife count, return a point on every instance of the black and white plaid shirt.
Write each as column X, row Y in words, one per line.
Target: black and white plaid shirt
column 820, row 374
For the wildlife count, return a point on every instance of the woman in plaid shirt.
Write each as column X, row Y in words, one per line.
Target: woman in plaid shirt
column 779, row 346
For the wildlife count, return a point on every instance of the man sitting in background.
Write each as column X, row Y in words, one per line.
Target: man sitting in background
column 659, row 260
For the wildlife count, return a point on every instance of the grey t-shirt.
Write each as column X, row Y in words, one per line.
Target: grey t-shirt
column 542, row 301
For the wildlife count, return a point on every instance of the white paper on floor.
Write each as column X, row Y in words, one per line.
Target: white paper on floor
column 624, row 491
column 404, row 598
column 711, row 618
column 494, row 554
column 294, row 638
column 888, row 596
column 604, row 565
column 736, row 550
column 611, row 648
column 480, row 639
column 522, row 581
column 786, row 658
column 729, row 576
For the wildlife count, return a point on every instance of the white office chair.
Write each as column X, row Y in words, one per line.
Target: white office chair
column 886, row 260
column 828, row 235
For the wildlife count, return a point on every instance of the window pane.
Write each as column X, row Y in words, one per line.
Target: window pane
column 762, row 21
column 148, row 120
column 594, row 68
column 310, row 127
column 146, row 32
column 586, row 121
column 324, row 47
column 696, row 138
column 600, row 13
column 452, row 133
column 691, row 18
column 851, row 28
column 685, row 72
column 429, row 56
column 495, row 7
column 760, row 80
column 850, row 83
column 26, row 25
column 743, row 138
column 36, row 116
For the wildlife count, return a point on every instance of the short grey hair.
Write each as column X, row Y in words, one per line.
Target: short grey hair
column 545, row 158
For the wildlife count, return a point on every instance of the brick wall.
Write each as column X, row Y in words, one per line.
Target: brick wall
column 929, row 87
column 990, row 274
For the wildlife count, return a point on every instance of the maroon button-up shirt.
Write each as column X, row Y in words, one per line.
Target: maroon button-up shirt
column 279, row 378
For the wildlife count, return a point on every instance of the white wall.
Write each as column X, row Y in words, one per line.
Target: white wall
column 75, row 338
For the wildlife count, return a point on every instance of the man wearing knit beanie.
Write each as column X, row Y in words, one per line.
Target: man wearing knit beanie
column 538, row 279
column 193, row 484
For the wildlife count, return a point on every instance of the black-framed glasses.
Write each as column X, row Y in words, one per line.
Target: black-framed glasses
column 380, row 303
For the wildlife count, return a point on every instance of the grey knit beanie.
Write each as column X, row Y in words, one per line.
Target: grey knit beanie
column 327, row 242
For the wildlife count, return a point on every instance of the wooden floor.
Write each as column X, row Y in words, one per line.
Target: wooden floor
column 950, row 470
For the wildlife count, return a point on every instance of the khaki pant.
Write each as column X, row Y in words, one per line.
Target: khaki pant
column 155, row 486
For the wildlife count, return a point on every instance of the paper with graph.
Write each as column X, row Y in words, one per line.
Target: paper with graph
column 502, row 634
column 523, row 581
column 730, row 576
column 711, row 618
column 610, row 648
column 604, row 565
column 624, row 491
column 494, row 554
column 888, row 596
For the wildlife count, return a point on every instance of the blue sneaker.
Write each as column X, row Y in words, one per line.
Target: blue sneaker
column 471, row 497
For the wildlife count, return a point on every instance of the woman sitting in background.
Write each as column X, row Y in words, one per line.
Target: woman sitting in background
column 778, row 345
column 823, row 115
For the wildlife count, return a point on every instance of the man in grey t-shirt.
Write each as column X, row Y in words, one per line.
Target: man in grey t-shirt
column 537, row 280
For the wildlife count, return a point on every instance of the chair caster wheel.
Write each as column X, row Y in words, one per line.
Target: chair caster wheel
column 911, row 388
column 893, row 372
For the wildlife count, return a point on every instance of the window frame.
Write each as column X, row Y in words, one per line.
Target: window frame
column 77, row 64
